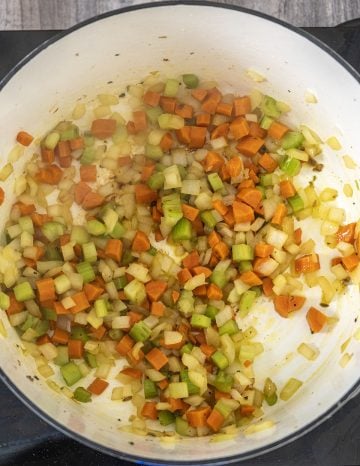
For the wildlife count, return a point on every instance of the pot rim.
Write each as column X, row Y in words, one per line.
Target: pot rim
column 90, row 443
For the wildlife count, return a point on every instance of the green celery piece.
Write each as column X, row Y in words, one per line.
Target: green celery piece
column 271, row 399
column 266, row 180
column 4, row 301
column 262, row 190
column 70, row 373
column 70, row 133
column 41, row 327
column 218, row 277
column 89, row 140
column 266, row 122
column 200, row 321
column 171, row 205
column 257, row 290
column 48, row 313
column 26, row 224
column 183, row 428
column 211, row 312
column 153, row 152
column 120, row 282
column 290, row 166
column 52, row 230
column 118, row 231
column 296, row 203
column 230, row 327
column 91, row 360
column 182, row 171
column 192, row 388
column 86, row 271
column 292, row 140
column 215, row 182
column 82, row 395
column 245, row 266
column 182, row 230
column 152, row 251
column 208, row 218
column 153, row 114
column 79, row 333
column 171, row 87
column 156, row 181
column 140, row 332
column 88, row 156
column 24, row 292
column 223, row 382
column 190, row 80
column 135, row 291
column 52, row 253
column 100, row 306
column 220, row 360
column 29, row 322
column 186, row 302
column 223, row 408
column 95, row 228
column 89, row 252
column 127, row 257
column 150, row 390
column 79, row 235
column 115, row 334
column 269, row 108
column 166, row 417
column 242, row 252
column 62, row 357
column 246, row 301
column 187, row 348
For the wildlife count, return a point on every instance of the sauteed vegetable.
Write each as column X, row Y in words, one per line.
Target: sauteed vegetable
column 141, row 239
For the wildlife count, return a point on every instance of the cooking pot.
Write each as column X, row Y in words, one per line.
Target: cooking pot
column 217, row 42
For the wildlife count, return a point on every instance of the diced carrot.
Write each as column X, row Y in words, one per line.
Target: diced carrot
column 239, row 128
column 125, row 344
column 350, row 262
column 46, row 289
column 268, row 163
column 211, row 101
column 229, row 218
column 234, row 166
column 308, row 263
column 176, row 404
column 203, row 119
column 156, row 358
column 191, row 260
column 81, row 190
column 183, row 135
column 221, row 250
column 125, row 161
column 158, row 235
column 346, row 233
column 24, row 138
column 189, row 211
column 251, row 196
column 166, row 142
column 256, row 130
column 135, row 360
column 29, row 262
column 213, row 162
column 43, row 339
column 49, row 175
column 200, row 291
column 92, row 200
column 114, row 249
column 215, row 420
column 279, row 214
column 197, row 417
column 221, row 130
column 140, row 242
column 88, row 173
column 92, row 291
column 40, row 219
column 316, row 319
column 277, row 130
column 75, row 349
column 250, row 146
column 81, row 302
column 250, row 278
column 156, row 216
column 199, row 94
column 184, row 275
column 60, row 336
column 103, row 128
column 213, row 238
column 168, row 104
column 297, row 236
column 224, row 108
column 144, row 195
column 208, row 350
column 140, row 120
column 2, row 196
column 97, row 386
column 267, row 285
column 184, row 110
column 77, row 143
column 247, row 410
column 130, row 127
column 65, row 162
column 242, row 212
column 197, row 137
column 62, row 149
column 201, row 269
column 214, row 292
column 286, row 304
column 151, row 98
column 242, row 105
column 253, row 176
column 15, row 306
column 163, row 384
column 147, row 171
column 149, row 410
column 157, row 308
column 98, row 333
column 287, row 189
column 131, row 372
column 336, row 261
column 25, row 209
column 135, row 317
column 263, row 249
column 59, row 309
column 218, row 395
column 155, row 289
column 175, row 295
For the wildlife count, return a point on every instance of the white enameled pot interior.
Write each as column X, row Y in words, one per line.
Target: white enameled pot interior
column 217, row 44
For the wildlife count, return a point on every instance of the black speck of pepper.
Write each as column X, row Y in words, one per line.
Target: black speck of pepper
column 36, row 377
column 166, row 59
column 192, row 53
column 122, row 94
column 162, row 37
column 30, row 378
column 119, row 420
column 131, row 443
column 117, row 54
column 109, row 82
column 77, row 54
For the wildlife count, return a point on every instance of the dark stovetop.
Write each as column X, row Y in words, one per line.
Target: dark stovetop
column 27, row 440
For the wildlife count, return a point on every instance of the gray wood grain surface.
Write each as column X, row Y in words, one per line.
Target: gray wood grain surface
column 60, row 14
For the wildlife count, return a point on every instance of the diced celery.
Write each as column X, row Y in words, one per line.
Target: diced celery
column 245, row 266
column 183, row 428
column 153, row 114
column 52, row 140
column 171, row 87
column 62, row 284
column 6, row 171
column 208, row 218
column 52, row 230
column 269, row 108
column 116, row 334
column 190, row 80
column 89, row 140
column 218, row 277
column 230, row 327
column 170, row 121
column 182, row 230
column 187, row 348
column 247, row 300
column 79, row 333
column 79, row 235
column 266, row 122
column 95, row 228
column 69, row 133
column 171, row 205
column 24, row 292
column 120, row 282
column 52, row 253
column 89, row 252
column 29, row 322
column 91, row 359
column 192, row 388
column 242, row 252
column 166, row 417
column 100, row 307
column 48, row 313
column 127, row 257
column 118, row 231
column 200, row 321
column 156, row 181
column 26, row 224
column 140, row 331
column 153, row 152
column 211, row 312
column 82, row 395
column 4, row 301
column 150, row 390
column 266, row 180
column 41, row 327
column 220, row 360
column 88, row 156
column 62, row 357
column 296, row 203
column 215, row 181
column 135, row 292
column 94, row 320
column 186, row 302
column 292, row 140
column 71, row 373
column 178, row 390
column 223, row 408
column 172, row 177
column 291, row 386
column 86, row 271
column 223, row 382
column 271, row 399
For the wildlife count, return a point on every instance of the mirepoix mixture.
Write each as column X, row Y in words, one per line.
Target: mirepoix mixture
column 148, row 239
